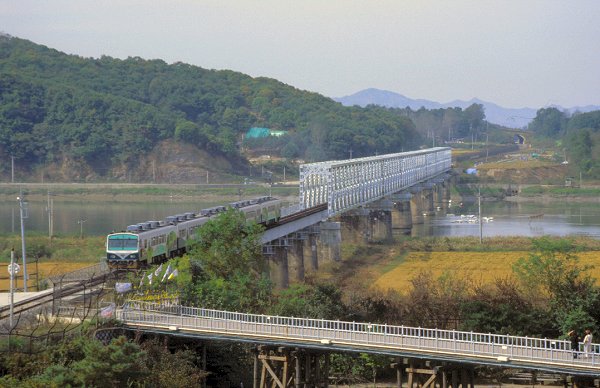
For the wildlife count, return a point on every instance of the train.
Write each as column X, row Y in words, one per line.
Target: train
column 154, row 242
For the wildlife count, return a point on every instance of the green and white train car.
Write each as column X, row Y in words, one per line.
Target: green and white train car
column 154, row 242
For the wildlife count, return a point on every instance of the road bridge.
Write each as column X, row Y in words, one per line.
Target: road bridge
column 443, row 346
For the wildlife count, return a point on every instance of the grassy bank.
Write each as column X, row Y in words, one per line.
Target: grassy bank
column 69, row 249
column 128, row 192
column 536, row 191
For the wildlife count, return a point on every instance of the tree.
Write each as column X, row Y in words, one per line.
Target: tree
column 502, row 308
column 228, row 266
column 553, row 275
column 435, row 302
column 187, row 131
column 579, row 143
column 475, row 114
column 228, row 243
column 322, row 301
column 549, row 122
column 120, row 363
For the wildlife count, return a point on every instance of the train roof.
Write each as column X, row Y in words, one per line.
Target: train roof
column 192, row 216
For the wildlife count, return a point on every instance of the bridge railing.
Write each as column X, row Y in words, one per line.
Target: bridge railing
column 358, row 333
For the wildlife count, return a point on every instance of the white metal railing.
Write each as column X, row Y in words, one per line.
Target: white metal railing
column 362, row 335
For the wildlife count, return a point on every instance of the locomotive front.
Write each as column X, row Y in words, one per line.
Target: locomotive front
column 122, row 250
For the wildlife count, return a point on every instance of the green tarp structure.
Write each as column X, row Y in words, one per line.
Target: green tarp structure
column 256, row 132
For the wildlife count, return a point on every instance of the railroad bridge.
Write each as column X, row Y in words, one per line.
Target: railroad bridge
column 355, row 199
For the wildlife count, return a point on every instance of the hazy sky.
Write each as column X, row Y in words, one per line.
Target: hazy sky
column 515, row 53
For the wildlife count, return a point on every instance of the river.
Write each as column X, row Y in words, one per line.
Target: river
column 532, row 219
column 560, row 218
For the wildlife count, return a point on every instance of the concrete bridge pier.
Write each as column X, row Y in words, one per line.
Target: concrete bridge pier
column 330, row 239
column 417, row 205
column 357, row 226
column 441, row 194
column 442, row 198
column 401, row 213
column 428, row 202
column 311, row 245
column 296, row 257
column 276, row 254
column 380, row 220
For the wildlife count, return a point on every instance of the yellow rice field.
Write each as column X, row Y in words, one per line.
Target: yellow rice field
column 44, row 270
column 478, row 267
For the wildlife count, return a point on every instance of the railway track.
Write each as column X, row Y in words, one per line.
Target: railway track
column 51, row 295
column 296, row 216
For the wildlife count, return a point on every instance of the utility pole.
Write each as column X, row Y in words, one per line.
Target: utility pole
column 471, row 130
column 284, row 174
column 480, row 218
column 80, row 222
column 12, row 169
column 486, row 146
column 50, row 210
column 12, row 274
column 23, row 209
column 350, row 153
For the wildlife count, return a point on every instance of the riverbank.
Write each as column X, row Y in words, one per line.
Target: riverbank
column 546, row 198
column 129, row 192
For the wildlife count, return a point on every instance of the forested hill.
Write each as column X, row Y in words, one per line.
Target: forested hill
column 106, row 115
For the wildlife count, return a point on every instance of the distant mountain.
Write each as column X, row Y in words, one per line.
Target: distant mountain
column 509, row 117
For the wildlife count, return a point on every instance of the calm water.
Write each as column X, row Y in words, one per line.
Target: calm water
column 517, row 219
column 509, row 218
column 99, row 218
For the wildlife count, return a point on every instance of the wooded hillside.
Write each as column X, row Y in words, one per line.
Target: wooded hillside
column 107, row 114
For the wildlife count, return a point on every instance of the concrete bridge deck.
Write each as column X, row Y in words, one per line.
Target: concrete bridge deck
column 505, row 351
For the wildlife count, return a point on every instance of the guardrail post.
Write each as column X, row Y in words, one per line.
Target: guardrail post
column 402, row 335
column 385, row 334
column 472, row 344
column 454, row 339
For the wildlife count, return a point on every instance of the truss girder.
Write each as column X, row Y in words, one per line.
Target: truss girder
column 346, row 184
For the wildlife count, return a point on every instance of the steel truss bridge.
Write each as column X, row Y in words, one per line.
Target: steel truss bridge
column 334, row 187
column 347, row 184
column 338, row 336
